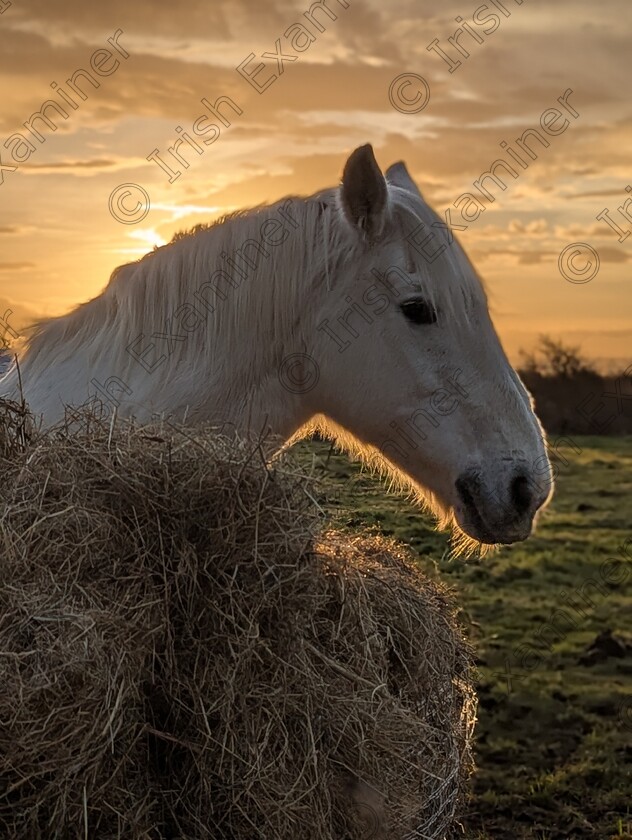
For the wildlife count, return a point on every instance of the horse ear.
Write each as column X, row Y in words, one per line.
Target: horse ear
column 364, row 193
column 399, row 176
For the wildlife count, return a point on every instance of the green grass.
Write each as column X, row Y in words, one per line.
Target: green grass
column 554, row 743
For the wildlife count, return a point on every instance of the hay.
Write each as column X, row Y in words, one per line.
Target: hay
column 183, row 653
column 16, row 427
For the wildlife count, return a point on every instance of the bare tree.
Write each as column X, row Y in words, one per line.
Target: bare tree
column 554, row 358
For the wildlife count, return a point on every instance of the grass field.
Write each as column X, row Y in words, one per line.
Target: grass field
column 554, row 737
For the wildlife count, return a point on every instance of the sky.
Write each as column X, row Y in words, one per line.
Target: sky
column 145, row 75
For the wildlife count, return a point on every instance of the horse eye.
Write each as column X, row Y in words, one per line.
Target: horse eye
column 419, row 311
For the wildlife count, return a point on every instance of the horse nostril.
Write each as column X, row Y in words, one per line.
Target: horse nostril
column 466, row 488
column 521, row 493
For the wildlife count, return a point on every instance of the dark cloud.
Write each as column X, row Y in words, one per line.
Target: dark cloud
column 74, row 18
column 614, row 255
column 599, row 193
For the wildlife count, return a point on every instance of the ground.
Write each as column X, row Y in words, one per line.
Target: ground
column 554, row 737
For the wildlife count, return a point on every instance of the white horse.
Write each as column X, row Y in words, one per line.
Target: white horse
column 353, row 311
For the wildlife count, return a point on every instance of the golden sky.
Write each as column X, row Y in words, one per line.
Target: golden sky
column 380, row 72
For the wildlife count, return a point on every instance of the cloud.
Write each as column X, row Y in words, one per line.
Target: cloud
column 614, row 255
column 599, row 193
column 535, row 227
column 16, row 266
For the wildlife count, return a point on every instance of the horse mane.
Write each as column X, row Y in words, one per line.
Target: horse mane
column 142, row 295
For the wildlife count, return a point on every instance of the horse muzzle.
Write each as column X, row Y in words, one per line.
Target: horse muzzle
column 502, row 511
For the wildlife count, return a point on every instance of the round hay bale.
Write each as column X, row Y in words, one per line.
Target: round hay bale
column 185, row 654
